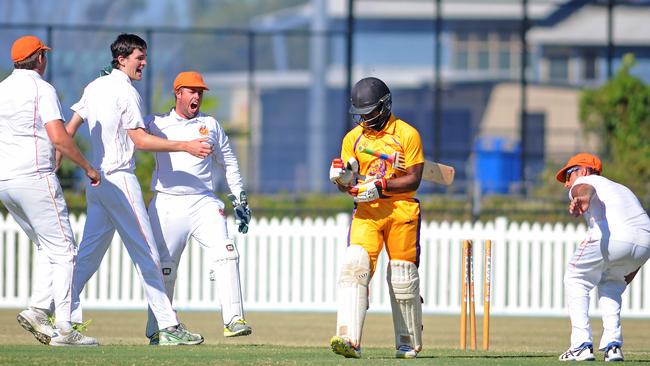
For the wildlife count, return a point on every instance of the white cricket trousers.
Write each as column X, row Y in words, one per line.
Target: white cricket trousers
column 176, row 218
column 38, row 206
column 117, row 204
column 602, row 264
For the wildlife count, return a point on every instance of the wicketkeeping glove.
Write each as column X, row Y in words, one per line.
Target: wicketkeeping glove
column 368, row 191
column 242, row 211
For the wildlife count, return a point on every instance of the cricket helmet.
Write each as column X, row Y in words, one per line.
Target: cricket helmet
column 371, row 103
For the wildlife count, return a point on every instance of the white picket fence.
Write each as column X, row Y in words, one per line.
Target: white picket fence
column 293, row 265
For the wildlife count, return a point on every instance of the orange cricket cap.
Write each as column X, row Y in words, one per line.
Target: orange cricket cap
column 582, row 159
column 189, row 79
column 25, row 46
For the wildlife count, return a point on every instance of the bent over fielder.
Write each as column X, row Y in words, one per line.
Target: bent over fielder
column 184, row 204
column 386, row 213
column 616, row 246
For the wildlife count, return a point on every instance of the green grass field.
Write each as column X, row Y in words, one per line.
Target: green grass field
column 303, row 339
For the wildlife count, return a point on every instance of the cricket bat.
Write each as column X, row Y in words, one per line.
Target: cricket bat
column 433, row 172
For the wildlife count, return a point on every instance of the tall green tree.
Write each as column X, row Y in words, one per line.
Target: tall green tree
column 619, row 114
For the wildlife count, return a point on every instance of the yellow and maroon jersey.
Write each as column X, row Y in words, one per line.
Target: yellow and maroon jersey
column 397, row 136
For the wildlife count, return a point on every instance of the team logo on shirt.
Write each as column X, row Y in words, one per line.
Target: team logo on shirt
column 378, row 168
column 203, row 130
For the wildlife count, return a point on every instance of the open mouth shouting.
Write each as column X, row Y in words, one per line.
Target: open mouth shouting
column 188, row 101
column 194, row 107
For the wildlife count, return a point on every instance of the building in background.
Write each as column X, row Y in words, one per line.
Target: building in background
column 281, row 78
column 480, row 73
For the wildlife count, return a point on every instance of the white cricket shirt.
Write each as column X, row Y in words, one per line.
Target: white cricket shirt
column 27, row 104
column 615, row 211
column 111, row 106
column 180, row 173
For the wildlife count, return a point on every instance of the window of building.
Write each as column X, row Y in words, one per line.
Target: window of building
column 504, row 59
column 589, row 66
column 482, row 50
column 483, row 59
column 558, row 68
column 534, row 147
column 461, row 51
column 462, row 60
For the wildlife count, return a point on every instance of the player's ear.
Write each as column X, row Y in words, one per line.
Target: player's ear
column 121, row 61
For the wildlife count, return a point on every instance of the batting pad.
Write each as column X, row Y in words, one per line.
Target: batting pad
column 225, row 273
column 353, row 294
column 404, row 288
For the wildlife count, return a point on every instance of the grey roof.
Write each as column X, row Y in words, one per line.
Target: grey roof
column 465, row 9
column 588, row 26
column 408, row 9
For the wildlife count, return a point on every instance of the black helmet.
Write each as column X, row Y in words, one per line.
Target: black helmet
column 371, row 103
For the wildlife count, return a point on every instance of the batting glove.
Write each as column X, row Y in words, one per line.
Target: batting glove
column 368, row 191
column 344, row 176
column 242, row 211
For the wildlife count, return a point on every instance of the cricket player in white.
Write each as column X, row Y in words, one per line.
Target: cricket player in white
column 184, row 204
column 112, row 107
column 31, row 127
column 616, row 246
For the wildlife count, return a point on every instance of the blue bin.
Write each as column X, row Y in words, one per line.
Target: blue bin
column 497, row 164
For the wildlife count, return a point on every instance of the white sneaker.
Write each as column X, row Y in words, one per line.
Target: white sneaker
column 237, row 328
column 613, row 352
column 405, row 351
column 37, row 323
column 177, row 336
column 73, row 338
column 584, row 352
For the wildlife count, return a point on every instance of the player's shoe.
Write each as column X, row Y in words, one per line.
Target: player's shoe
column 73, row 338
column 37, row 323
column 178, row 336
column 237, row 328
column 154, row 339
column 584, row 352
column 613, row 352
column 81, row 327
column 405, row 351
column 344, row 347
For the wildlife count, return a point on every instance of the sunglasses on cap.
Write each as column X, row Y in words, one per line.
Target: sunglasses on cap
column 570, row 171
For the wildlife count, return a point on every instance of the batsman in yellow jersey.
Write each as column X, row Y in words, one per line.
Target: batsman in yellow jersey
column 386, row 214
